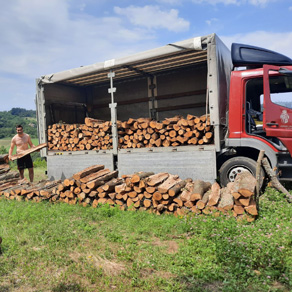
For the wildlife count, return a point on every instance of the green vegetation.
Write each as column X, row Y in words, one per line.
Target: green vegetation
column 58, row 247
column 9, row 120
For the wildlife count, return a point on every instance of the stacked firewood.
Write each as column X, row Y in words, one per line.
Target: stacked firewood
column 8, row 178
column 28, row 191
column 134, row 133
column 174, row 131
column 93, row 135
column 156, row 193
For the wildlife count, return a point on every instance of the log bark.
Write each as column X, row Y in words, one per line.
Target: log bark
column 177, row 187
column 9, row 175
column 187, row 192
column 203, row 202
column 200, row 188
column 214, row 195
column 94, row 175
column 169, row 183
column 87, row 171
column 226, row 201
column 245, row 183
column 155, row 179
column 110, row 186
column 101, row 180
column 4, row 159
column 252, row 208
column 274, row 180
column 140, row 175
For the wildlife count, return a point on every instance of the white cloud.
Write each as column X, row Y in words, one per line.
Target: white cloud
column 234, row 2
column 279, row 42
column 259, row 2
column 214, row 2
column 212, row 21
column 152, row 17
column 41, row 37
column 171, row 2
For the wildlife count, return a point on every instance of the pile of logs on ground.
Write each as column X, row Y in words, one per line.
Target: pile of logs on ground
column 134, row 133
column 8, row 178
column 157, row 193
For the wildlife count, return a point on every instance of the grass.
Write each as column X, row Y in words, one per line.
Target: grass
column 39, row 174
column 58, row 247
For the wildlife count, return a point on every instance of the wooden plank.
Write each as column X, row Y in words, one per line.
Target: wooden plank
column 28, row 151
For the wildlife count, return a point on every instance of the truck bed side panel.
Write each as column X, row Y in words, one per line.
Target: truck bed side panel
column 64, row 166
column 187, row 162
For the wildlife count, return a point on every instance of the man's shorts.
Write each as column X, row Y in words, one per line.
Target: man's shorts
column 24, row 162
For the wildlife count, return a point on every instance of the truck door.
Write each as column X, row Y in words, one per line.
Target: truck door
column 277, row 118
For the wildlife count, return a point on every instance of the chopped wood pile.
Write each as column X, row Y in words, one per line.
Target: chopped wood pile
column 8, row 178
column 157, row 193
column 134, row 133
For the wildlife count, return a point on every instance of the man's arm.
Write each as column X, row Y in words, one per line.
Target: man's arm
column 30, row 143
column 12, row 145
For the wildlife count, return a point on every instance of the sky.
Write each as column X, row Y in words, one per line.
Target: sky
column 40, row 37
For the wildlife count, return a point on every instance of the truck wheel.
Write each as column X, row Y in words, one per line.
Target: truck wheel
column 236, row 165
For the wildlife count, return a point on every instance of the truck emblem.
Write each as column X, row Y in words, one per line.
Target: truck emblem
column 284, row 117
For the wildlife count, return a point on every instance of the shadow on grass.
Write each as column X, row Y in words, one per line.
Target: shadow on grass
column 4, row 288
column 72, row 287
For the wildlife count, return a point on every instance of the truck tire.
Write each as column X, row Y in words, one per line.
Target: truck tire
column 236, row 165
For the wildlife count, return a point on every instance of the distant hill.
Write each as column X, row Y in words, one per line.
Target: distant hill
column 16, row 116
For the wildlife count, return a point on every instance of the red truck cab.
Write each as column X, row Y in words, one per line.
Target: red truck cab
column 260, row 113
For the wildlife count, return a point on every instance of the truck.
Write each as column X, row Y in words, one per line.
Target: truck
column 246, row 92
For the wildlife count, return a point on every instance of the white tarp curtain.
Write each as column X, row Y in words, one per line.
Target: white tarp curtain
column 193, row 43
column 219, row 70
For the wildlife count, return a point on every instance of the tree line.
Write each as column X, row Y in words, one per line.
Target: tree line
column 16, row 116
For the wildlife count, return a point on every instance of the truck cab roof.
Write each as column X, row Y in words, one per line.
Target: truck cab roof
column 245, row 55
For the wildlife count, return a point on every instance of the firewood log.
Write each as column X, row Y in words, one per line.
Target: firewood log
column 94, row 175
column 4, row 159
column 87, row 171
column 177, row 187
column 246, row 183
column 203, row 202
column 156, row 178
column 157, row 196
column 252, row 208
column 169, row 183
column 9, row 175
column 187, row 192
column 214, row 195
column 199, row 189
column 140, row 175
column 178, row 201
column 110, row 185
column 101, row 180
column 226, row 199
column 239, row 210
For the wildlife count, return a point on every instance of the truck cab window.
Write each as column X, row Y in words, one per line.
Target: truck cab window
column 281, row 90
column 253, row 107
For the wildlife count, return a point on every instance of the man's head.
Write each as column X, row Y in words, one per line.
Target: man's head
column 19, row 129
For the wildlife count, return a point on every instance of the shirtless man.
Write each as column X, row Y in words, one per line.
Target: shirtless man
column 22, row 140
